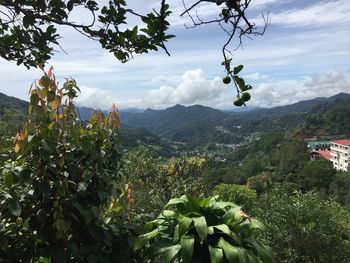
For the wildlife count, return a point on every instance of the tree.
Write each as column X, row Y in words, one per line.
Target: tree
column 317, row 175
column 59, row 193
column 305, row 227
column 340, row 188
column 238, row 194
column 28, row 30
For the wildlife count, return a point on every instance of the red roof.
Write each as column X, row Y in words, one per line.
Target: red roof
column 343, row 142
column 325, row 154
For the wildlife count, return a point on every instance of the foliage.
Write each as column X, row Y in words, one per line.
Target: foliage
column 317, row 175
column 329, row 118
column 203, row 230
column 260, row 182
column 290, row 157
column 304, row 227
column 59, row 193
column 156, row 181
column 340, row 188
column 238, row 194
column 28, row 29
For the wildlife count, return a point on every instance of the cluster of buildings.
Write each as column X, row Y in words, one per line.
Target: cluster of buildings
column 337, row 152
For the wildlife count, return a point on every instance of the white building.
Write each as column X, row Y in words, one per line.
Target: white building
column 340, row 154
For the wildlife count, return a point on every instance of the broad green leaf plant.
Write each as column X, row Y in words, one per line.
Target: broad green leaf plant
column 203, row 230
column 56, row 191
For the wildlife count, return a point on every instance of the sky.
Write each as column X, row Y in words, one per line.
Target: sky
column 304, row 53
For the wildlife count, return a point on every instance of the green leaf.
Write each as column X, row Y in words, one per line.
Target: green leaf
column 143, row 239
column 193, row 203
column 168, row 214
column 184, row 225
column 222, row 205
column 264, row 252
column 187, row 244
column 9, row 179
column 159, row 247
column 229, row 215
column 242, row 255
column 237, row 69
column 201, row 227
column 176, row 201
column 231, row 252
column 15, row 208
column 240, row 82
column 223, row 228
column 171, row 252
column 216, row 255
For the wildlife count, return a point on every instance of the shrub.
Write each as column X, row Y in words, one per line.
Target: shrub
column 238, row 194
column 203, row 230
column 55, row 193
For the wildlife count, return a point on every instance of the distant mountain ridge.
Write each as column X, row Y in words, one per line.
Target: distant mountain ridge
column 195, row 125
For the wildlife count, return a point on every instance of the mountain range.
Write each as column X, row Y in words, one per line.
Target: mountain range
column 199, row 125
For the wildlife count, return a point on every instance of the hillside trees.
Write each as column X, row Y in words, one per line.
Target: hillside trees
column 305, row 227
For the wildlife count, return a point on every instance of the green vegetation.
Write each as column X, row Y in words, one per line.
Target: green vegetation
column 71, row 192
column 305, row 227
column 203, row 230
column 75, row 190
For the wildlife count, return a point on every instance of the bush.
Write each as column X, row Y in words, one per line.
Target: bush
column 305, row 228
column 203, row 230
column 238, row 194
column 59, row 193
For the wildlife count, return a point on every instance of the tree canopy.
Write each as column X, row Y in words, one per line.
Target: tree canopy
column 29, row 30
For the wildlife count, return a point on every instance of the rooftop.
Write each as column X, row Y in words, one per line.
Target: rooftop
column 343, row 142
column 325, row 154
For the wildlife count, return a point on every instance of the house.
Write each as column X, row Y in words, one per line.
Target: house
column 340, row 154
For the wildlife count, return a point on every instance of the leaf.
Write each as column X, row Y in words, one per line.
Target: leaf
column 222, row 205
column 193, row 203
column 176, row 201
column 143, row 239
column 240, row 82
column 216, row 255
column 9, row 179
column 158, row 247
column 168, row 214
column 171, row 252
column 15, row 208
column 184, row 225
column 223, row 228
column 264, row 252
column 201, row 227
column 17, row 148
column 231, row 252
column 237, row 69
column 229, row 215
column 56, row 102
column 187, row 244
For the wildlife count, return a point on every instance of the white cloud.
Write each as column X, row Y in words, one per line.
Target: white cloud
column 276, row 93
column 324, row 14
column 194, row 88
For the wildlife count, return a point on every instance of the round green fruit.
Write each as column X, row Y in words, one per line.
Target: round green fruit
column 226, row 80
column 245, row 96
column 238, row 102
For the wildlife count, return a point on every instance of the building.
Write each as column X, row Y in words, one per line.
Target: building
column 315, row 155
column 340, row 154
column 314, row 145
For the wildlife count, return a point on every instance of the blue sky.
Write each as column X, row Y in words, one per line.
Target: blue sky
column 305, row 53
